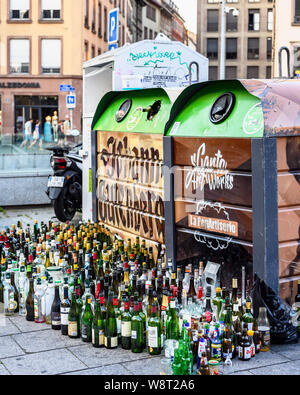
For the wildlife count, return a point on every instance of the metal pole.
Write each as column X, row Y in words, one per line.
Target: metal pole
column 223, row 38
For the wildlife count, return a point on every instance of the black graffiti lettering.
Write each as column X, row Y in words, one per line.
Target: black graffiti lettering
column 155, row 154
column 159, row 207
column 144, row 223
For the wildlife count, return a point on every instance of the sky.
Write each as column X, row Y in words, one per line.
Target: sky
column 188, row 10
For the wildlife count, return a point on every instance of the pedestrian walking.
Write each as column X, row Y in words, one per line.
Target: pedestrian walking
column 36, row 137
column 27, row 132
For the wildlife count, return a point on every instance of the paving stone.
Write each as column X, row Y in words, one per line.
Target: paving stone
column 283, row 369
column 290, row 351
column 94, row 357
column 9, row 348
column 3, row 370
column 43, row 363
column 115, row 370
column 45, row 340
column 146, row 367
column 260, row 360
column 27, row 326
column 7, row 327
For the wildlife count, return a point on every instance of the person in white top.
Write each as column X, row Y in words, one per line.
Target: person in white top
column 27, row 132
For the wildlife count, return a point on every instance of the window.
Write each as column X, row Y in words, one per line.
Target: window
column 94, row 17
column 105, row 24
column 269, row 48
column 19, row 56
column 212, row 48
column 86, row 13
column 86, row 51
column 252, row 72
column 253, row 48
column 213, row 73
column 297, row 11
column 93, row 52
column 51, row 9
column 253, row 20
column 231, row 48
column 19, row 9
column 296, row 58
column 231, row 22
column 268, row 72
column 151, row 13
column 270, row 20
column 99, row 51
column 99, row 20
column 150, row 34
column 212, row 20
column 145, row 33
column 51, row 64
column 230, row 72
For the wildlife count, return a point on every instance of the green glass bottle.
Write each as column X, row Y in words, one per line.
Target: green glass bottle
column 111, row 329
column 247, row 316
column 30, row 302
column 172, row 324
column 137, row 331
column 87, row 321
column 154, row 332
column 217, row 303
column 73, row 319
column 98, row 327
column 126, row 327
column 177, row 363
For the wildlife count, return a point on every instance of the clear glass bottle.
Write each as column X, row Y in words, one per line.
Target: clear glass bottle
column 9, row 297
column 264, row 329
column 38, row 295
column 22, row 291
column 47, row 301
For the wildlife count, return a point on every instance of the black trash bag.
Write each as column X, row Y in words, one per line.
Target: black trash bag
column 279, row 313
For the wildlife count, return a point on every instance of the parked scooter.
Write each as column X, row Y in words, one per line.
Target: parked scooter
column 65, row 186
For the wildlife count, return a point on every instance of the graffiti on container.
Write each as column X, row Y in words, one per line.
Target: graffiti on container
column 206, row 170
column 134, row 118
column 218, row 225
column 254, row 122
column 130, row 195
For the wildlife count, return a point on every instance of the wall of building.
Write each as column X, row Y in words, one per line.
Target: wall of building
column 286, row 34
column 242, row 34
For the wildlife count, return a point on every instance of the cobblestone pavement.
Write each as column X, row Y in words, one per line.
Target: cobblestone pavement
column 27, row 348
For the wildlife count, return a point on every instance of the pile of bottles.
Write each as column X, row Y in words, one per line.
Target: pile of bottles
column 88, row 283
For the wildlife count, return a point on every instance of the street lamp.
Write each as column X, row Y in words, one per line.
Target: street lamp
column 236, row 13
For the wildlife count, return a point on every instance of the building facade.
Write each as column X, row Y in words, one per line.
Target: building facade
column 43, row 45
column 248, row 37
column 287, row 34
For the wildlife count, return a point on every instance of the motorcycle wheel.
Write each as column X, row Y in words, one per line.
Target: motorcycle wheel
column 63, row 211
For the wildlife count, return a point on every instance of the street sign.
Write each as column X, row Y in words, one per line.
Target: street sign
column 113, row 27
column 64, row 88
column 112, row 46
column 71, row 102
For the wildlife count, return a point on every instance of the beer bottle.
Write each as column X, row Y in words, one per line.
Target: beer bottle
column 30, row 302
column 245, row 346
column 98, row 327
column 137, row 331
column 204, row 368
column 154, row 332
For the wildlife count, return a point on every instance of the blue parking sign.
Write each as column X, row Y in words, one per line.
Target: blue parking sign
column 71, row 101
column 113, row 27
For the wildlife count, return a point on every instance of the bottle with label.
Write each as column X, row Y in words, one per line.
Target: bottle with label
column 73, row 319
column 64, row 311
column 247, row 316
column 9, row 296
column 22, row 291
column 47, row 300
column 264, row 329
column 2, row 270
column 137, row 331
column 30, row 301
column 227, row 349
column 111, row 329
column 126, row 327
column 256, row 337
column 118, row 316
column 216, row 344
column 98, row 327
column 154, row 332
column 217, row 303
column 55, row 310
column 87, row 320
column 245, row 346
column 16, row 294
column 39, row 292
column 172, row 324
column 204, row 368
